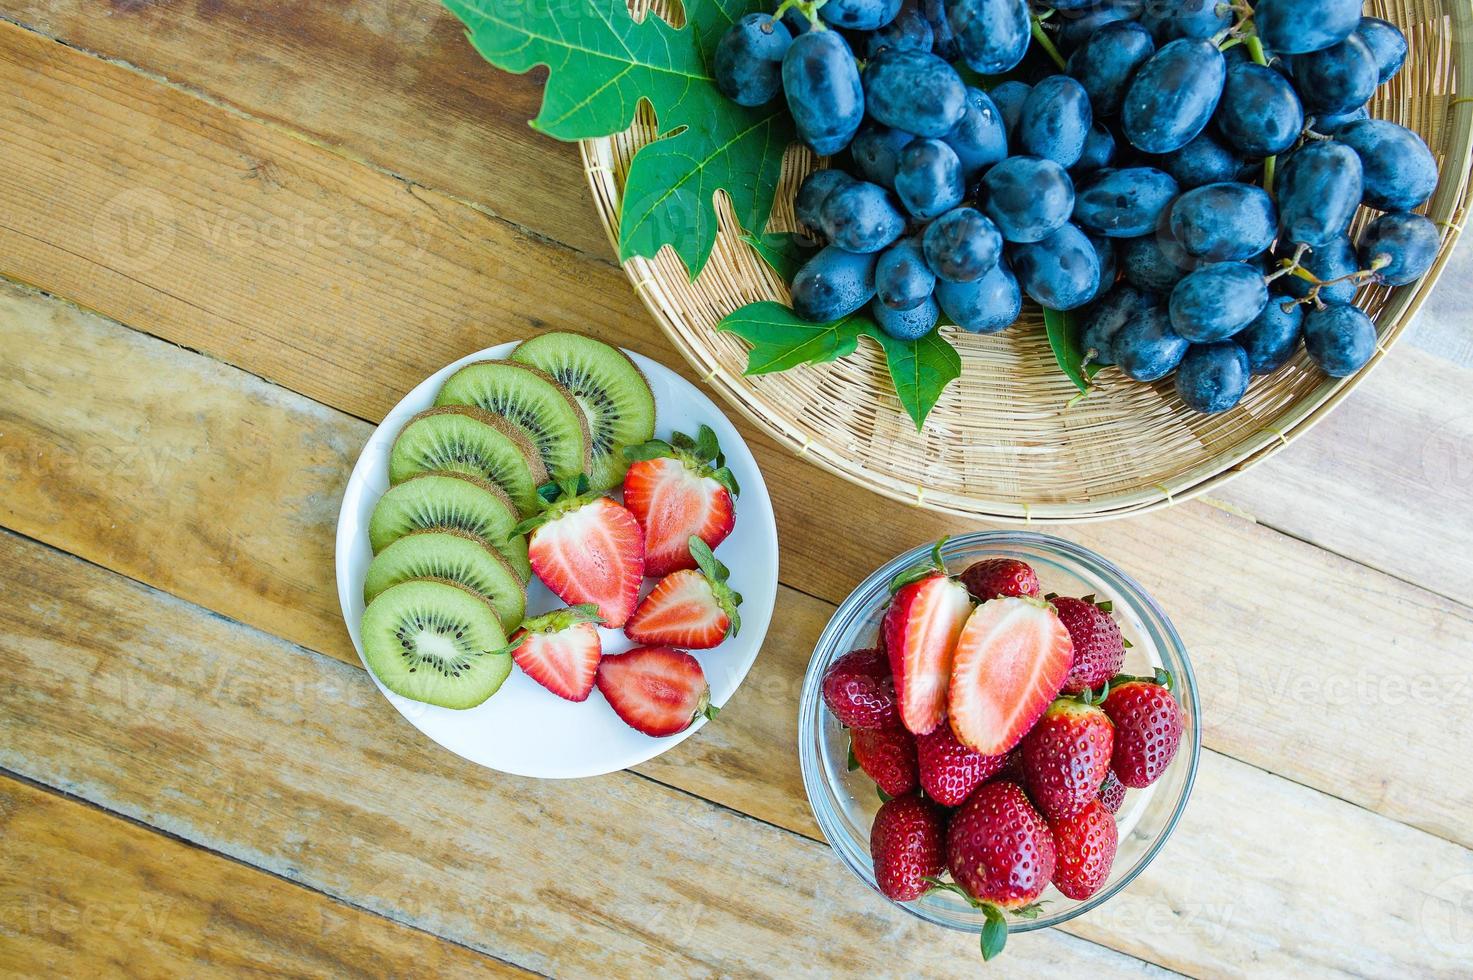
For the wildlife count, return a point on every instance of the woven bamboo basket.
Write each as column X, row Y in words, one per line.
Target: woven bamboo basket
column 1004, row 443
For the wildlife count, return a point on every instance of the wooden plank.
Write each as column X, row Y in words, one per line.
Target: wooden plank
column 390, row 82
column 1308, row 689
column 88, row 894
column 292, row 762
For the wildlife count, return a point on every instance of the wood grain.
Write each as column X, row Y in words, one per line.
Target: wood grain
column 1313, row 700
column 83, row 893
column 291, row 761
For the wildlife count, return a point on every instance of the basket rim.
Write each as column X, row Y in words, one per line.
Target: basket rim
column 597, row 157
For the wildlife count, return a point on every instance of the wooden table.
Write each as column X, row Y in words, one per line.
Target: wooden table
column 233, row 233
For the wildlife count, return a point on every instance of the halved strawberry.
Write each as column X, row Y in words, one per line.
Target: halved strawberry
column 927, row 610
column 694, row 610
column 677, row 489
column 656, row 690
column 561, row 650
column 588, row 549
column 1010, row 660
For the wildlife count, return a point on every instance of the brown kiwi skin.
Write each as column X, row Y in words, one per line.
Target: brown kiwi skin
column 567, row 395
column 524, row 445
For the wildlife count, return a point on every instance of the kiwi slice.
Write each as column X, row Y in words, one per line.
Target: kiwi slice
column 460, row 439
column 532, row 401
column 455, row 557
column 610, row 389
column 454, row 502
column 436, row 642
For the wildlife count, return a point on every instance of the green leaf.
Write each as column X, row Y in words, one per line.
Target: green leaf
column 921, row 370
column 1063, row 337
column 781, row 251
column 781, row 339
column 601, row 64
column 994, row 933
column 853, row 761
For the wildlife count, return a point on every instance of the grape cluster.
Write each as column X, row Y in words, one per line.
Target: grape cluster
column 1184, row 172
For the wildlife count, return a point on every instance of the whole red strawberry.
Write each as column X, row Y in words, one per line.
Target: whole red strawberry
column 888, row 756
column 1112, row 793
column 1099, row 649
column 1066, row 757
column 1148, row 724
column 860, row 692
column 949, row 770
column 999, row 849
column 1085, row 849
column 906, row 841
column 994, row 577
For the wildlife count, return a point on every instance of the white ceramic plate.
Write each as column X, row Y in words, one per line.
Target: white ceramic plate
column 524, row 729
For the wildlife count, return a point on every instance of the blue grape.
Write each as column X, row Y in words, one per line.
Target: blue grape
column 1056, row 120
column 911, row 324
column 748, row 64
column 876, row 152
column 1217, row 301
column 1387, row 43
column 824, row 94
column 1076, row 28
column 1123, row 203
column 814, row 190
column 1098, row 153
column 833, row 284
column 1173, row 95
column 944, row 45
column 1337, row 78
column 1227, row 221
column 859, row 15
column 1155, row 263
column 859, row 217
column 1259, row 114
column 1202, row 161
column 902, row 277
column 1340, row 339
column 1105, row 63
column 1301, row 26
column 1318, row 188
column 929, row 180
column 992, row 35
column 1212, row 378
column 914, row 91
column 980, row 138
column 1009, row 97
column 1273, row 336
column 1029, row 198
column 1331, row 260
column 1071, row 6
column 1400, row 246
column 961, row 245
column 1168, row 20
column 1146, row 348
column 1399, row 172
column 1329, row 124
column 1102, row 319
column 909, row 31
column 985, row 305
column 1060, row 272
column 1105, row 249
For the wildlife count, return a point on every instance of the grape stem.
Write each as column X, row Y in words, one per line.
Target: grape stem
column 808, row 8
column 1359, row 276
column 1041, row 36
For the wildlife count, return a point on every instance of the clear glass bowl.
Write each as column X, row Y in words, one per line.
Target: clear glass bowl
column 845, row 802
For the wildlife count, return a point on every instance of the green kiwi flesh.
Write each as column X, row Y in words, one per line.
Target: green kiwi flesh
column 458, row 439
column 455, row 557
column 451, row 502
column 435, row 642
column 533, row 402
column 610, row 389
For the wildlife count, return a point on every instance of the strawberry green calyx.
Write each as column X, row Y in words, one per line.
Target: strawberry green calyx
column 1162, row 676
column 557, row 500
column 995, row 929
column 936, row 565
column 716, row 575
column 701, row 455
column 561, row 619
